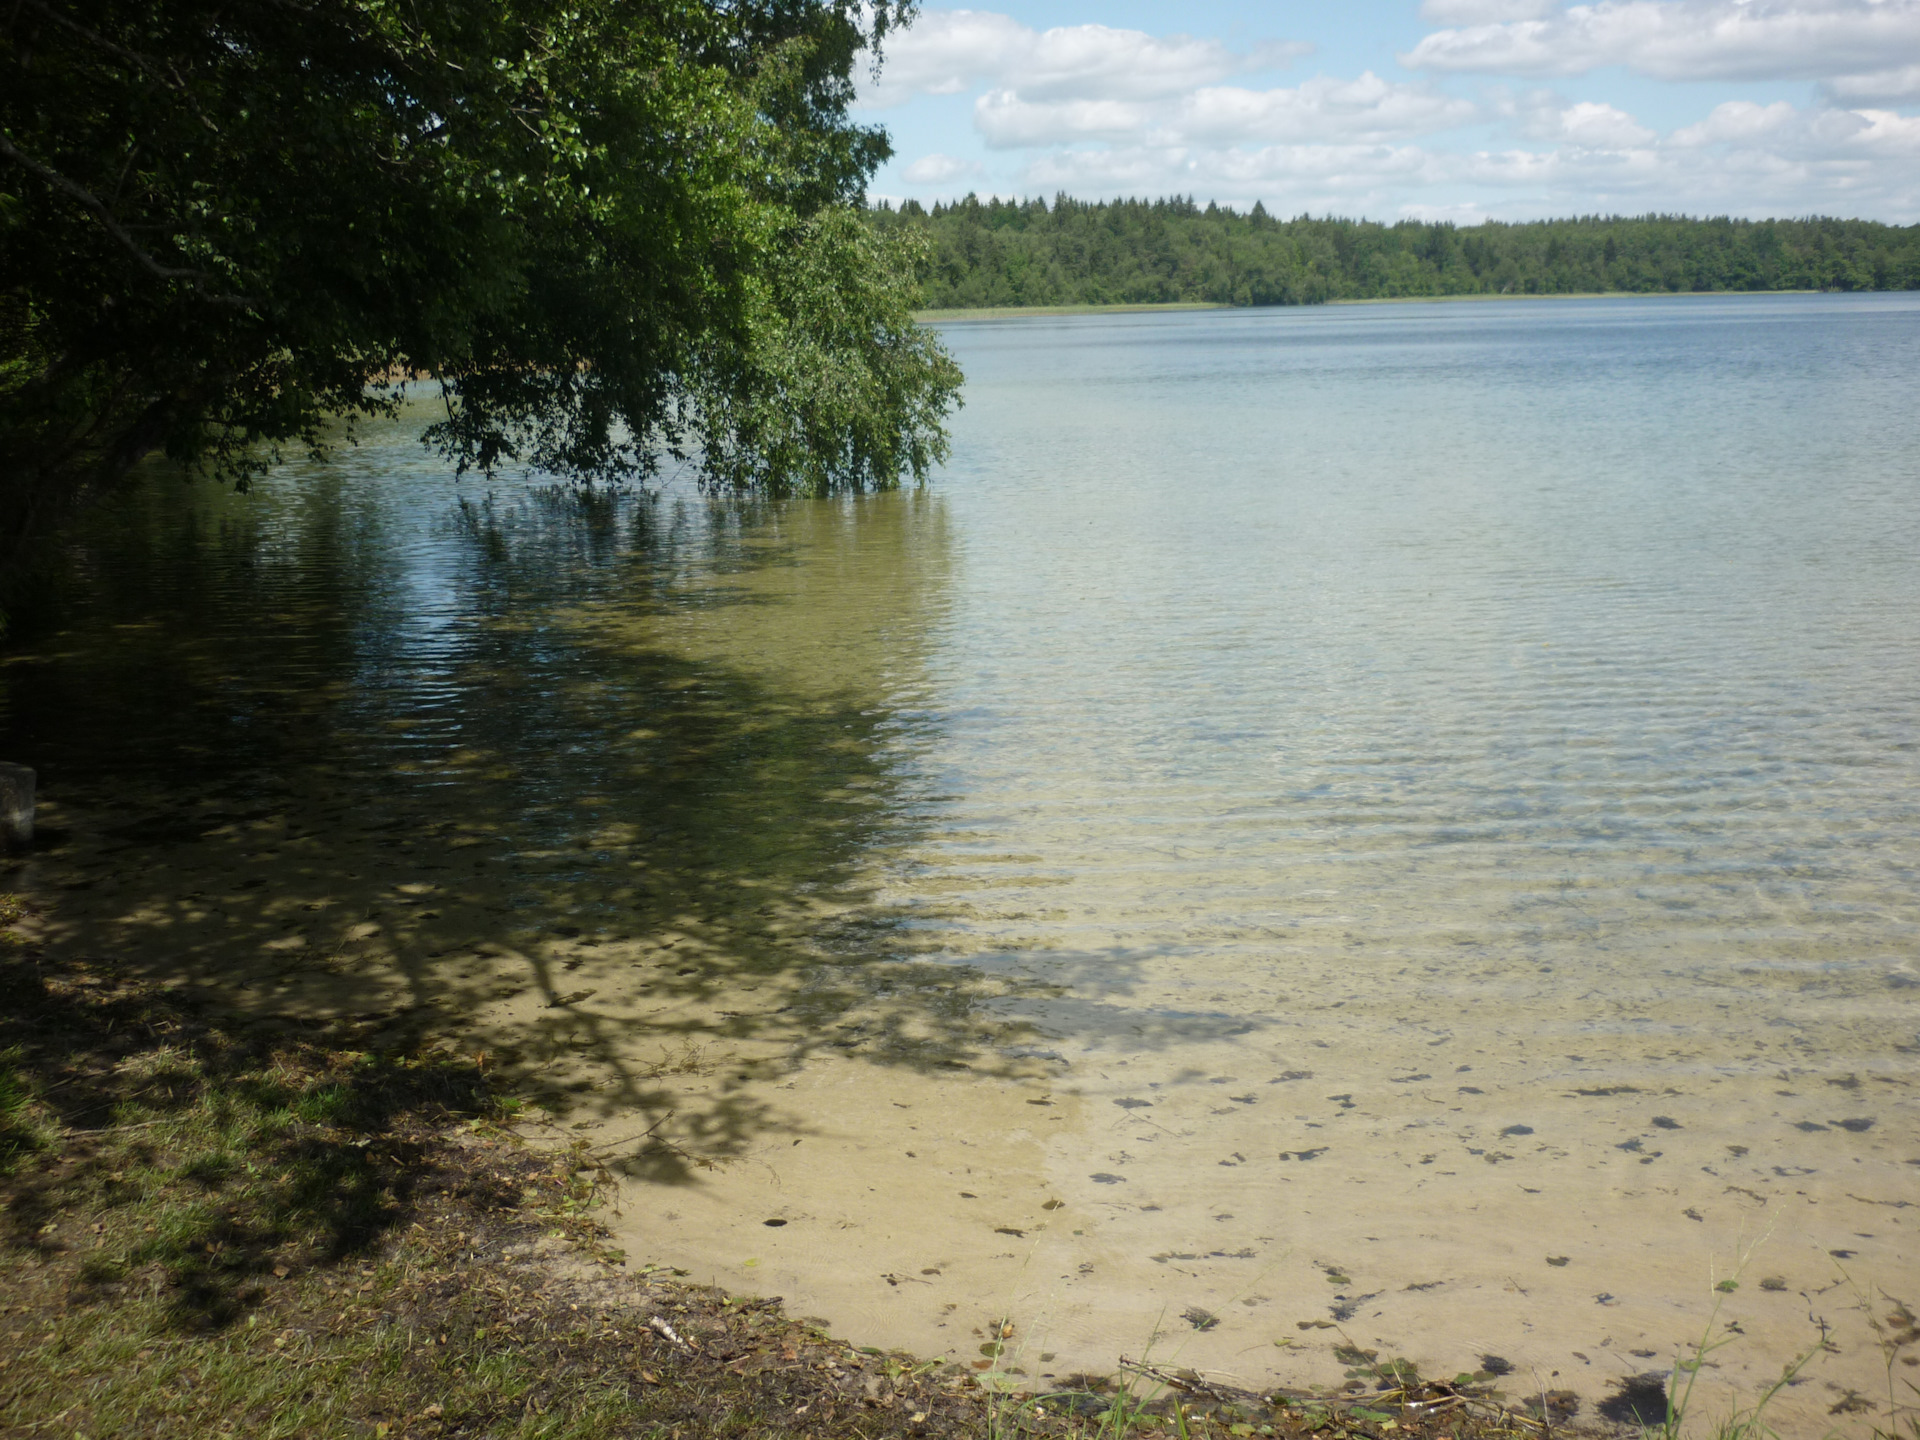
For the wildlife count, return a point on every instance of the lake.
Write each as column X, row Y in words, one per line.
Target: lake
column 1388, row 826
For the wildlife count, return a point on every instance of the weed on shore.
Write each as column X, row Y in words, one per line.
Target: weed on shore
column 213, row 1226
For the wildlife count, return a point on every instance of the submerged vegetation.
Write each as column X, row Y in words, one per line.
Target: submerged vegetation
column 986, row 253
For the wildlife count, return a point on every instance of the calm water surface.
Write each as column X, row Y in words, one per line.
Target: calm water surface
column 1434, row 638
column 1521, row 695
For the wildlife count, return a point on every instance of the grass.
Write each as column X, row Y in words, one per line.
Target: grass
column 1896, row 1328
column 207, row 1229
column 213, row 1228
column 1898, row 1331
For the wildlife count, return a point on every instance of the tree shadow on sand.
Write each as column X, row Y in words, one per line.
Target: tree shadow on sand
column 516, row 796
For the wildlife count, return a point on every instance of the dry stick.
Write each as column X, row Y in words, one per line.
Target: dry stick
column 1193, row 1386
column 66, row 1134
column 599, row 1151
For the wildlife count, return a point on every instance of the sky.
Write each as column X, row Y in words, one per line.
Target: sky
column 1414, row 109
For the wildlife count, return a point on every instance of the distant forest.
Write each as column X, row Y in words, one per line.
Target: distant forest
column 1072, row 252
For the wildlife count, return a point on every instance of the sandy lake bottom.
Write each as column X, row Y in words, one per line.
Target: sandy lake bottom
column 1559, row 1189
column 1389, row 830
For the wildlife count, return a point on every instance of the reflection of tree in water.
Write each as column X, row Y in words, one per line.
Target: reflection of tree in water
column 591, row 783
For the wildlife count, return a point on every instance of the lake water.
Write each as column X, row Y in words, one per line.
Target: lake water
column 1385, row 825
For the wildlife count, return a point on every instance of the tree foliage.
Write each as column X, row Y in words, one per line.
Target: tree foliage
column 984, row 253
column 613, row 229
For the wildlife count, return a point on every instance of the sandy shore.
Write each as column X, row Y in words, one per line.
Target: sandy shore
column 908, row 1153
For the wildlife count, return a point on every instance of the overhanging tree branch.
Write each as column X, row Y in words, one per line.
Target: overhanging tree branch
column 171, row 78
column 591, row 241
column 98, row 209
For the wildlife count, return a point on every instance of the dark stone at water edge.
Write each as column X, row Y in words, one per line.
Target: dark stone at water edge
column 1638, row 1400
column 16, row 807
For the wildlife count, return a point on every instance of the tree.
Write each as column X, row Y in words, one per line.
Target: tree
column 611, row 229
column 1007, row 251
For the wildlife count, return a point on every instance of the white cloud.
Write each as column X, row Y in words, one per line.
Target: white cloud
column 1589, row 124
column 1485, row 12
column 1103, row 111
column 1896, row 86
column 1366, row 109
column 1689, row 40
column 1738, row 122
column 946, row 52
column 939, row 169
column 943, row 53
column 1805, row 135
column 1468, row 213
column 1289, row 179
column 1744, row 159
column 1323, row 108
column 1009, row 122
column 1594, row 126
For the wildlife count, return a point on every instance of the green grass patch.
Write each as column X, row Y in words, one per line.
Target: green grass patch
column 211, row 1228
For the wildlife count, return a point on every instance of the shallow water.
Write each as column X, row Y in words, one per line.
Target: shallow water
column 1359, row 805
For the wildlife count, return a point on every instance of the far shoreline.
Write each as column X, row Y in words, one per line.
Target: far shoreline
column 1017, row 312
column 1002, row 312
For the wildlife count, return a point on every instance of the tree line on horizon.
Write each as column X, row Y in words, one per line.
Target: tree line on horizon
column 982, row 253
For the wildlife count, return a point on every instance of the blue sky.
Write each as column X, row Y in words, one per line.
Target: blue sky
column 1459, row 109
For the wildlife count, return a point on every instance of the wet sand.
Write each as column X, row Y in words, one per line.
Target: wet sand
column 939, row 1151
column 1231, row 1218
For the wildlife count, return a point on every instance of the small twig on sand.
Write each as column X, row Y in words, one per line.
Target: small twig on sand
column 1191, row 1383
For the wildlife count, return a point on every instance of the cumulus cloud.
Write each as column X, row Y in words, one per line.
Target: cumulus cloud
column 1095, row 111
column 1738, row 122
column 1589, row 124
column 1595, row 126
column 940, row 169
column 1365, row 109
column 1467, row 213
column 1687, row 40
column 1484, row 12
column 1009, row 122
column 1323, row 108
column 1900, row 85
column 946, row 52
column 1805, row 135
column 1744, row 158
column 1347, row 179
